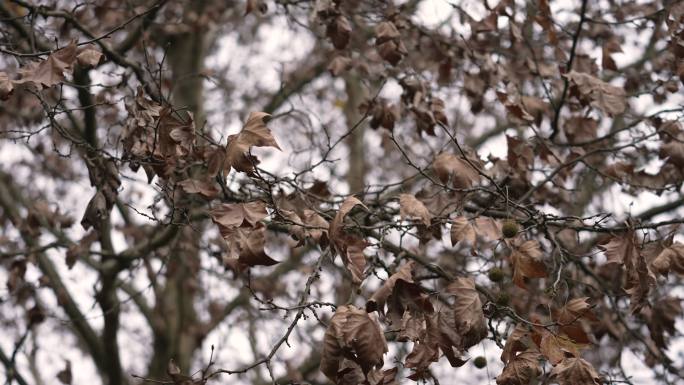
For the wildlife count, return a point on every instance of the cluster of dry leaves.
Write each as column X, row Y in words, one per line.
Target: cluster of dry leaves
column 558, row 302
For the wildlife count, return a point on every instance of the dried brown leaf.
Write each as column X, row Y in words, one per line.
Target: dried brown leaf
column 6, row 86
column 450, row 167
column 246, row 246
column 411, row 207
column 470, row 320
column 89, row 57
column 604, row 96
column 521, row 369
column 527, row 263
column 254, row 134
column 235, row 215
column 354, row 334
column 575, row 371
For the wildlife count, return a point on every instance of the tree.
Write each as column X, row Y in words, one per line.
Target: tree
column 350, row 192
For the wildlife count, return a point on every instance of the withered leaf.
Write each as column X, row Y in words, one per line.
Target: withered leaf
column 573, row 319
column 354, row 334
column 95, row 212
column 521, row 369
column 448, row 336
column 178, row 132
column 579, row 129
column 670, row 259
column 470, row 320
column 389, row 44
column 488, row 228
column 555, row 347
column 386, row 31
column 662, row 318
column 350, row 247
column 246, row 245
column 527, row 263
column 89, row 57
column 673, row 151
column 235, row 215
column 624, row 249
column 575, row 371
column 620, row 249
column 339, row 65
column 449, row 166
column 377, row 301
column 604, row 96
column 462, row 230
column 254, row 134
column 6, row 86
column 411, row 207
column 518, row 341
column 339, row 31
column 50, row 71
column 204, row 187
column 77, row 250
column 383, row 377
column 426, row 350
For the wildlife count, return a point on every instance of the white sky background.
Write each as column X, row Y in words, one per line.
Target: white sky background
column 278, row 46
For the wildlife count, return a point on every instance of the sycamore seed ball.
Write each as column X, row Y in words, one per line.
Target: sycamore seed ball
column 496, row 274
column 480, row 362
column 510, row 228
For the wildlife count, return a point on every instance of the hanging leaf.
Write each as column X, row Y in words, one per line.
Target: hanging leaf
column 353, row 334
column 254, row 134
column 575, row 371
column 410, row 207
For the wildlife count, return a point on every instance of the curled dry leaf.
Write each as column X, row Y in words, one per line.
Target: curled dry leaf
column 379, row 298
column 354, row 334
column 89, row 57
column 254, row 134
column 450, row 167
column 624, row 249
column 235, row 215
column 604, row 96
column 246, row 246
column 573, row 317
column 389, row 44
column 521, row 369
column 425, row 350
column 205, row 187
column 673, row 151
column 411, row 207
column 95, row 212
column 670, row 259
column 318, row 226
column 661, row 319
column 339, row 31
column 575, row 371
column 6, row 86
column 527, row 263
column 50, row 71
column 349, row 246
column 386, row 31
column 339, row 65
column 470, row 320
column 80, row 249
column 555, row 347
column 518, row 341
column 462, row 230
column 383, row 377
